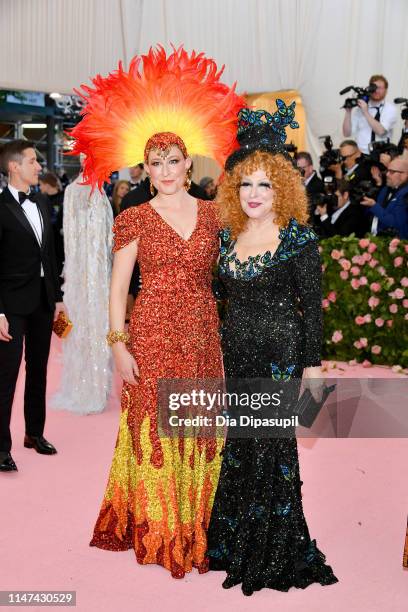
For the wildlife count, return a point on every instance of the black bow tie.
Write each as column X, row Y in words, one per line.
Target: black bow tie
column 23, row 196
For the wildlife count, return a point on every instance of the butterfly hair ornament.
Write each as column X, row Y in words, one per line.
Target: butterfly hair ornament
column 258, row 130
column 160, row 101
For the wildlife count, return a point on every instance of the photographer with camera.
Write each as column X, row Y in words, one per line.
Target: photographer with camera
column 353, row 166
column 390, row 209
column 346, row 219
column 374, row 118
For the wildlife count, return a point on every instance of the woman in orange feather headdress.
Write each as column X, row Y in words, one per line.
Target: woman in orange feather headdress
column 161, row 111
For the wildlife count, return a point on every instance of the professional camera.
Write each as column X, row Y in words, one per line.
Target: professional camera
column 330, row 156
column 365, row 189
column 329, row 196
column 362, row 93
column 404, row 111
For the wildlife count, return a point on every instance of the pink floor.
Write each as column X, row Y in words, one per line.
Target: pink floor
column 355, row 496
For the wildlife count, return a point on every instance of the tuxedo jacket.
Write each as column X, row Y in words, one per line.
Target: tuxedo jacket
column 315, row 186
column 21, row 258
column 348, row 222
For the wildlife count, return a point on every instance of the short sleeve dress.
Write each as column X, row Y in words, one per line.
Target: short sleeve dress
column 161, row 490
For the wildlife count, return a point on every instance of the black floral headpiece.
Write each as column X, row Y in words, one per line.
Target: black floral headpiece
column 261, row 131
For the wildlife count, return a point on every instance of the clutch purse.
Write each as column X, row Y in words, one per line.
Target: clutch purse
column 308, row 408
column 62, row 325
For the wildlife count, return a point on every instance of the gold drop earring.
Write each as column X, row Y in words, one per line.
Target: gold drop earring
column 187, row 182
column 151, row 186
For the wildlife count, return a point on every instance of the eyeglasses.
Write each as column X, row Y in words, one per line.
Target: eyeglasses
column 390, row 171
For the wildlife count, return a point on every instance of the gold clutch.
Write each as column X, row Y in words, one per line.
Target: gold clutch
column 62, row 325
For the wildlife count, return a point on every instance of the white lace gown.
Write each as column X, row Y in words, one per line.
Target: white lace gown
column 86, row 361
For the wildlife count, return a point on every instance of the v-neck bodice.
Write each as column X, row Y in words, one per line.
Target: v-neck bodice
column 173, row 229
column 168, row 262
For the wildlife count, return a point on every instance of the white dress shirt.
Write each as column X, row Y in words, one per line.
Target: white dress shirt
column 33, row 216
column 361, row 129
column 336, row 213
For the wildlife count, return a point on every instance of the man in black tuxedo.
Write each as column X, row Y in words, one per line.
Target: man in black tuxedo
column 30, row 296
column 345, row 220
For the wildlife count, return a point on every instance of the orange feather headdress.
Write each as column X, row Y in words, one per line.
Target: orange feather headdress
column 181, row 94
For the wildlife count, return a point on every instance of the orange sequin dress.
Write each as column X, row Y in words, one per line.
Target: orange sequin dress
column 160, row 491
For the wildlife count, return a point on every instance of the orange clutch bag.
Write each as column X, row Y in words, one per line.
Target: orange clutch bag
column 62, row 325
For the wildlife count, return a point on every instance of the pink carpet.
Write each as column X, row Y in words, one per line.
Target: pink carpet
column 355, row 498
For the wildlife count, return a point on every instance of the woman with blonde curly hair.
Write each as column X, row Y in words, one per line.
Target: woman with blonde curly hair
column 271, row 273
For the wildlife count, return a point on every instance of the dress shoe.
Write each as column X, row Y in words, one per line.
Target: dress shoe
column 40, row 444
column 230, row 582
column 7, row 463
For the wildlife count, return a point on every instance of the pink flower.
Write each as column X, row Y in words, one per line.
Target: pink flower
column 373, row 263
column 399, row 294
column 404, row 282
column 366, row 256
column 392, row 249
column 366, row 363
column 357, row 344
column 390, row 280
column 364, row 242
column 396, row 368
column 363, row 280
column 406, row 316
column 373, row 302
column 375, row 287
column 367, row 318
column 406, row 248
column 332, row 296
column 359, row 320
column 398, row 261
column 345, row 264
column 355, row 259
column 364, row 342
column 355, row 270
column 325, row 303
column 320, row 249
column 335, row 254
column 393, row 308
column 381, row 270
column 344, row 274
column 395, row 242
column 405, row 303
column 376, row 349
column 372, row 247
column 337, row 336
column 355, row 283
column 390, row 322
column 379, row 322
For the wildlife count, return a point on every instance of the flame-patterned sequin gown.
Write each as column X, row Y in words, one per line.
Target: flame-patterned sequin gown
column 161, row 490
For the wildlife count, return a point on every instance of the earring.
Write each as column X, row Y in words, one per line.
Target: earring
column 187, row 182
column 151, row 187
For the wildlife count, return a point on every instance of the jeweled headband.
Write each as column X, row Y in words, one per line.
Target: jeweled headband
column 163, row 142
column 258, row 130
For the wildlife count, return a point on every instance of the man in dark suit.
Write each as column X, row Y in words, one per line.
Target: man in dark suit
column 390, row 210
column 30, row 296
column 343, row 221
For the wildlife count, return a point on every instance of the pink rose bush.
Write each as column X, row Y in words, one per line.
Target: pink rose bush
column 365, row 274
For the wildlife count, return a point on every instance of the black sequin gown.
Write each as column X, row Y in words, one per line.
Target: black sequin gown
column 258, row 533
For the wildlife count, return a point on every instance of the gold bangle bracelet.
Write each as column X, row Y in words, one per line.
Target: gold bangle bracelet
column 117, row 336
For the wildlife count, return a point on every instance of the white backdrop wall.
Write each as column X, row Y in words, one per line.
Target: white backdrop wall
column 315, row 46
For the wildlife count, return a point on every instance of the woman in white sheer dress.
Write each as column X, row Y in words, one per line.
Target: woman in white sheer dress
column 86, row 368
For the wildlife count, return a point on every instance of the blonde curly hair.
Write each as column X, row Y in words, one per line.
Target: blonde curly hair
column 290, row 196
